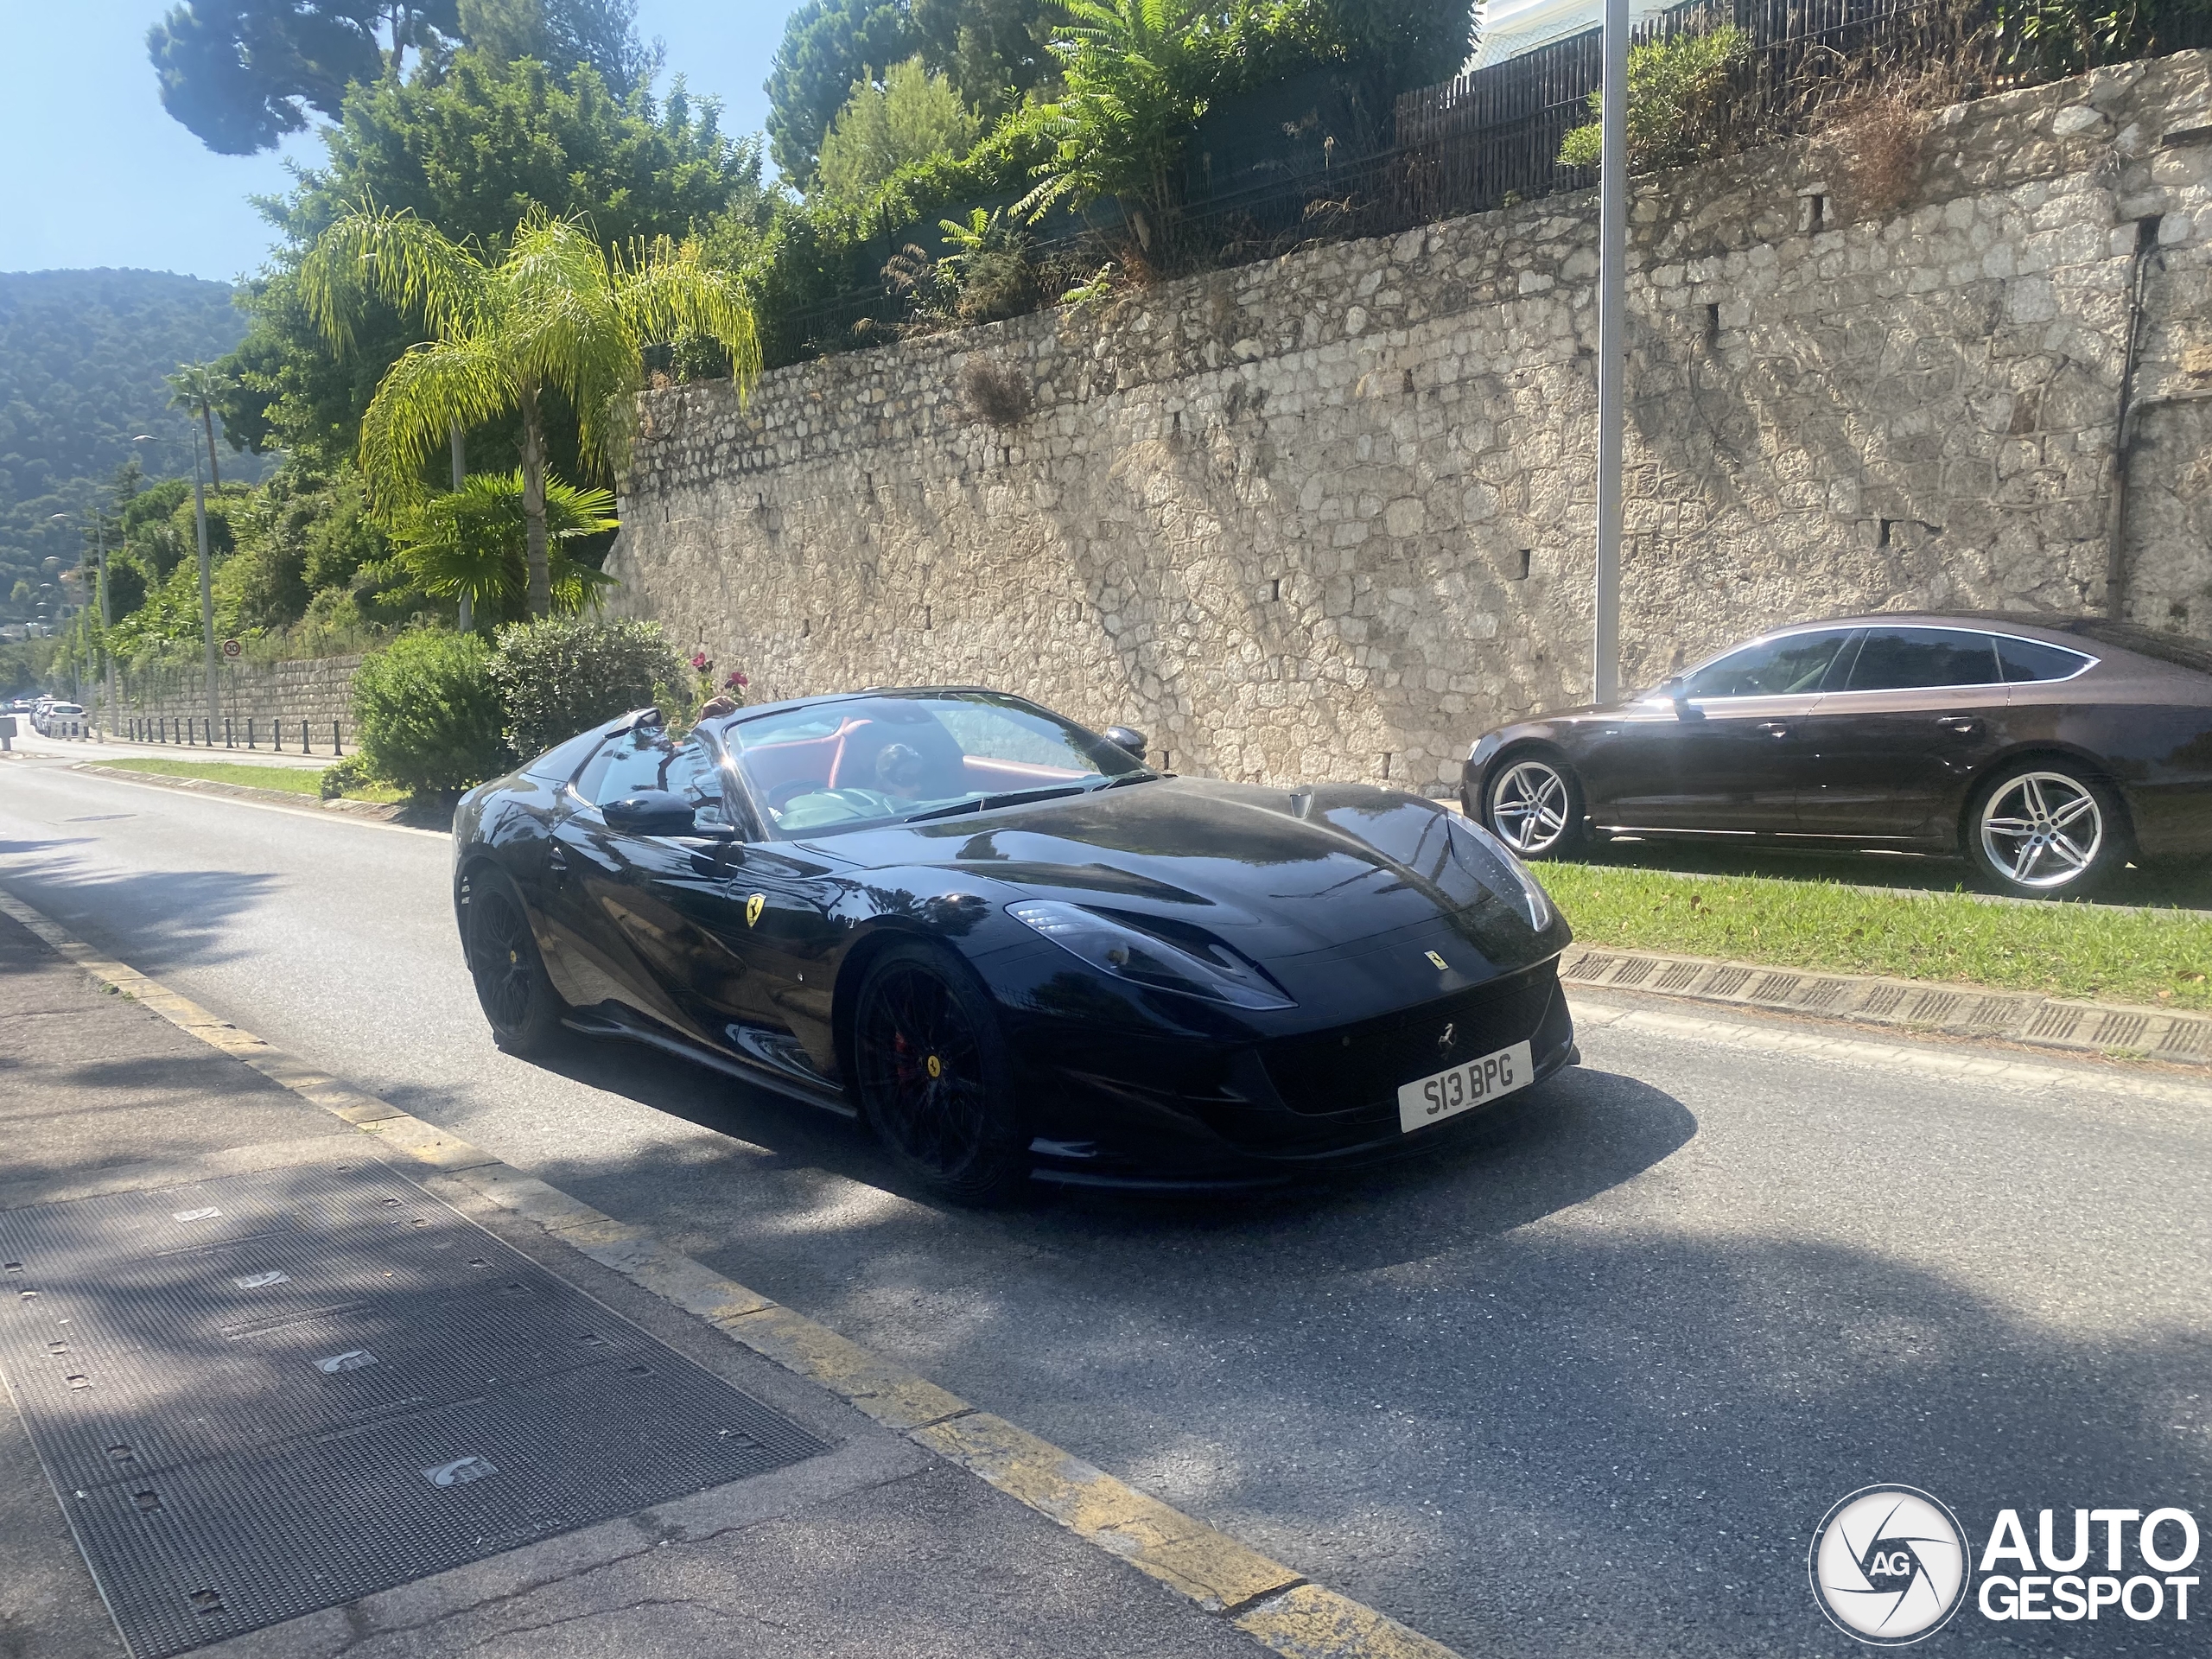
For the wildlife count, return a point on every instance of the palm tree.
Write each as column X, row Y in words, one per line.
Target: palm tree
column 471, row 543
column 197, row 388
column 553, row 313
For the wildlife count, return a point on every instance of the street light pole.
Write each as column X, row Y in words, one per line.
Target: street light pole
column 1612, row 305
column 106, row 656
column 107, row 649
column 207, row 589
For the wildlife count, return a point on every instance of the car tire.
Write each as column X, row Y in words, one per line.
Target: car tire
column 519, row 1002
column 1533, row 803
column 933, row 1078
column 2046, row 829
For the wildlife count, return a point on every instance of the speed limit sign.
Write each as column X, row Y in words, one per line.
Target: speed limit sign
column 232, row 648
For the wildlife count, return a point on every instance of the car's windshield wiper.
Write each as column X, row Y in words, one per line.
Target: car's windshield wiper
column 1127, row 778
column 984, row 803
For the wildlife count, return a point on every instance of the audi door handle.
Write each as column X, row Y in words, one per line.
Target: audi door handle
column 1960, row 725
column 1773, row 728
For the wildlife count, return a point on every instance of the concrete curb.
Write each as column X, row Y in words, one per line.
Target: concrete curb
column 1267, row 1601
column 2113, row 1029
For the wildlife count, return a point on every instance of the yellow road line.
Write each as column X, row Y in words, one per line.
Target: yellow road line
column 1263, row 1597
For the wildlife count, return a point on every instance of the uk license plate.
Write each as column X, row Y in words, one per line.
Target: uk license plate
column 1463, row 1088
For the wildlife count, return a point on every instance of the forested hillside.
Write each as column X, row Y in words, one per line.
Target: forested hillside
column 82, row 354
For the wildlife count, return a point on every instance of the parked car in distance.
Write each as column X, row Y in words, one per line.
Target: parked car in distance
column 2051, row 751
column 59, row 720
column 1011, row 947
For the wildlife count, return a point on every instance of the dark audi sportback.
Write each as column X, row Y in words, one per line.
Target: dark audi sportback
column 1009, row 946
column 2049, row 750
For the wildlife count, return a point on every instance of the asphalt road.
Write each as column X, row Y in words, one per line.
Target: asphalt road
column 1586, row 1388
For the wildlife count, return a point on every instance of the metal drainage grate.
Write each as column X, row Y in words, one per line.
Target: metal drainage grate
column 2187, row 1036
column 269, row 1394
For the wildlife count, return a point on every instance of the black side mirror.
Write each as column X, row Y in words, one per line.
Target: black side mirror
column 1126, row 737
column 650, row 812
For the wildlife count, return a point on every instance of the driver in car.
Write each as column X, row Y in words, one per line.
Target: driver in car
column 900, row 769
column 902, row 779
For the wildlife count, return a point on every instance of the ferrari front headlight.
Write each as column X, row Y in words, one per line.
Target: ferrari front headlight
column 1210, row 971
column 1502, row 871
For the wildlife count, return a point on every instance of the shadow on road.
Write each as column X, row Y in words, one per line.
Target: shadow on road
column 1519, row 1389
column 1571, row 1138
column 178, row 918
column 1522, row 1392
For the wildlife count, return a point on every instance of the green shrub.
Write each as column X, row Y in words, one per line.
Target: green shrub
column 352, row 773
column 1675, row 90
column 428, row 713
column 563, row 675
column 2063, row 37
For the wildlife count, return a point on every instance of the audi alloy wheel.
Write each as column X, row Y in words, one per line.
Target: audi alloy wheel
column 1535, row 806
column 2040, row 831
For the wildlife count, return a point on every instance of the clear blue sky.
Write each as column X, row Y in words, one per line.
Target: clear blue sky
column 99, row 174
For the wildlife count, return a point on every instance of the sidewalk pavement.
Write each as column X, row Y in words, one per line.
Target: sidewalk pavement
column 874, row 1546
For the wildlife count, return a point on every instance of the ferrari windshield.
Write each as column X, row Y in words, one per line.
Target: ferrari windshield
column 892, row 756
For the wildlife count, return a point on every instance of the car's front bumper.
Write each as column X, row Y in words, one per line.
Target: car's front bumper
column 1138, row 1112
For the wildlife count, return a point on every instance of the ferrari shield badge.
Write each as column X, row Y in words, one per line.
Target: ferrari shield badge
column 753, row 906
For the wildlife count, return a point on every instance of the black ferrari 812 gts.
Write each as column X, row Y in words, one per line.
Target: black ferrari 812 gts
column 1007, row 944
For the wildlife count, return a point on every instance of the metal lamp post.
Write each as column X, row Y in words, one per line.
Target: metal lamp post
column 107, row 656
column 206, row 590
column 1612, row 306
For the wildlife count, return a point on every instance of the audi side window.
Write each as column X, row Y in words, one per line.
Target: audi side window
column 2032, row 659
column 1910, row 660
column 1792, row 665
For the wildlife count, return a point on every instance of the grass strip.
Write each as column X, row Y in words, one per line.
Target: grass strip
column 295, row 780
column 2061, row 949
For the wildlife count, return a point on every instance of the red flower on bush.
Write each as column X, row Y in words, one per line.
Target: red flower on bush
column 699, row 661
column 736, row 681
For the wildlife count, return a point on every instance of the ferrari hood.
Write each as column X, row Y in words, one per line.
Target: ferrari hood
column 1277, row 873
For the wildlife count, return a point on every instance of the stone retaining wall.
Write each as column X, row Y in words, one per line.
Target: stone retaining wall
column 1331, row 515
column 318, row 691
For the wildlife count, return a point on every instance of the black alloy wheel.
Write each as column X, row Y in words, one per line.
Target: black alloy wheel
column 1533, row 803
column 2046, row 829
column 516, row 997
column 934, row 1079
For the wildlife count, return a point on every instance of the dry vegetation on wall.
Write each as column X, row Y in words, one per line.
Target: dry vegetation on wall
column 1868, row 147
column 997, row 393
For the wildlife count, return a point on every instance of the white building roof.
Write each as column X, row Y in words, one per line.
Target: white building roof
column 1506, row 28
